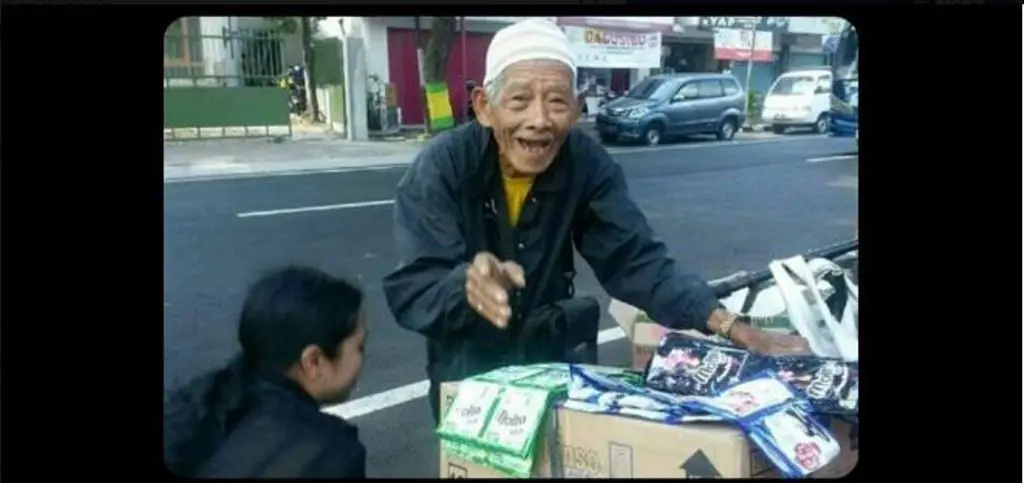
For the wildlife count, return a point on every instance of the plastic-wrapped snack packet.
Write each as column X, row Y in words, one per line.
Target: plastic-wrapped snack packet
column 778, row 422
column 598, row 393
column 468, row 413
column 693, row 367
column 507, row 464
column 513, row 424
column 508, row 374
column 832, row 386
column 555, row 381
column 586, row 382
column 795, row 442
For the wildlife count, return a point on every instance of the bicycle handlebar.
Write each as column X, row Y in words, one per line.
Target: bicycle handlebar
column 725, row 286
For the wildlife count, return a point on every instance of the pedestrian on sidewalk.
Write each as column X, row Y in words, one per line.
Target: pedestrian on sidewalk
column 487, row 216
column 302, row 334
column 470, row 114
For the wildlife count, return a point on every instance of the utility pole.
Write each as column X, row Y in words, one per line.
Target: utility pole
column 419, row 73
column 750, row 64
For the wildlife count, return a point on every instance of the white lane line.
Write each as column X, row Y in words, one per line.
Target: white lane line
column 364, row 204
column 409, row 392
column 341, row 206
column 832, row 158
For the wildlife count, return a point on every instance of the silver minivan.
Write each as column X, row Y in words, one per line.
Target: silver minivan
column 669, row 105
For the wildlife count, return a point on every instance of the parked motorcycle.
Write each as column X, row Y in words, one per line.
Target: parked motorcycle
column 294, row 79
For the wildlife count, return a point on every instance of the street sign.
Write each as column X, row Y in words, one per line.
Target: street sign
column 764, row 24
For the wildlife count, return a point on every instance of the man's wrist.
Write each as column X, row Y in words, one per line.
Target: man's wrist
column 739, row 331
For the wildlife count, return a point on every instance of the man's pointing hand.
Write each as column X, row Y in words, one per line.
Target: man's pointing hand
column 488, row 282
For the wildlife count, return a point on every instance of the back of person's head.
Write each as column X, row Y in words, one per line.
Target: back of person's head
column 296, row 323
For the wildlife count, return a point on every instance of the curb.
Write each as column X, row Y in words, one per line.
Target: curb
column 265, row 173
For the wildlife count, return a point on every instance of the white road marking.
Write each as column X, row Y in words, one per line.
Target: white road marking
column 364, row 204
column 341, row 206
column 410, row 392
column 832, row 158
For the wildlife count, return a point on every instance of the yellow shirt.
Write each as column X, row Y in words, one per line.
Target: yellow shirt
column 516, row 192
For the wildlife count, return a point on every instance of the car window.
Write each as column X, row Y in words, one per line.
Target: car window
column 793, row 85
column 729, row 87
column 709, row 89
column 824, row 83
column 688, row 91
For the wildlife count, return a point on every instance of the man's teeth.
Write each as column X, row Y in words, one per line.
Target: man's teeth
column 534, row 147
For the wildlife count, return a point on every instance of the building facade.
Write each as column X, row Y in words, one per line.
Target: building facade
column 612, row 52
column 391, row 53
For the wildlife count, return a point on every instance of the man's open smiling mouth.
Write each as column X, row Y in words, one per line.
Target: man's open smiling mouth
column 534, row 146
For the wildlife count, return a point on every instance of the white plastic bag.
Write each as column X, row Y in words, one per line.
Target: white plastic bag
column 827, row 335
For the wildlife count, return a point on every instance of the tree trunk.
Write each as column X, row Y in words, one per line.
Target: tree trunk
column 313, row 104
column 435, row 58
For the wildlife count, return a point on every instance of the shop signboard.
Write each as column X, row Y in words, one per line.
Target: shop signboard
column 816, row 25
column 762, row 24
column 734, row 44
column 614, row 49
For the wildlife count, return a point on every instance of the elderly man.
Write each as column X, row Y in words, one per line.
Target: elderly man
column 487, row 215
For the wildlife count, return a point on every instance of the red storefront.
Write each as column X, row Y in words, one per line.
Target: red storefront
column 402, row 70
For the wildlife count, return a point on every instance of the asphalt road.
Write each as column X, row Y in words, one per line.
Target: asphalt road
column 719, row 207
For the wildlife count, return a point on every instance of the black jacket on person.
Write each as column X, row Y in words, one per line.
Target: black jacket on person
column 283, row 434
column 450, row 205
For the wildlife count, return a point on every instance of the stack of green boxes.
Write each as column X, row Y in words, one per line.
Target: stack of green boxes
column 495, row 419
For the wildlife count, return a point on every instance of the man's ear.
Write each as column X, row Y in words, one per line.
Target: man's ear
column 480, row 106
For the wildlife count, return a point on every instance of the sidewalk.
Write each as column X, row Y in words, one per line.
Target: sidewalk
column 232, row 158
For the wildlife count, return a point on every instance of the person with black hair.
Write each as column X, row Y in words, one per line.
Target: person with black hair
column 302, row 334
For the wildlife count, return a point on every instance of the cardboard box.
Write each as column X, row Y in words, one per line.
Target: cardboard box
column 643, row 333
column 605, row 446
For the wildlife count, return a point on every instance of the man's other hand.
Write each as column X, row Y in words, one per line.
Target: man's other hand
column 488, row 281
column 770, row 343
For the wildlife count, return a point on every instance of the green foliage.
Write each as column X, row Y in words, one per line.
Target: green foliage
column 754, row 99
column 290, row 25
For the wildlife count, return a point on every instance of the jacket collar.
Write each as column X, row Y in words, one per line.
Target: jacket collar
column 281, row 386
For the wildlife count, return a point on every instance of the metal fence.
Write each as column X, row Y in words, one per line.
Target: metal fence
column 223, row 83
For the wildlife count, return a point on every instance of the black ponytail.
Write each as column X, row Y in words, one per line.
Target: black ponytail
column 198, row 416
column 284, row 312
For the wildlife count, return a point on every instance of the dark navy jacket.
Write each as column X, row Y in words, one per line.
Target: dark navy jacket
column 450, row 205
column 284, row 435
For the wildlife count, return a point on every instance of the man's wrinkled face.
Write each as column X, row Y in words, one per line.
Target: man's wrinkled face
column 531, row 113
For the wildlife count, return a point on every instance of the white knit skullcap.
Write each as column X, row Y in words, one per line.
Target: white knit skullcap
column 532, row 39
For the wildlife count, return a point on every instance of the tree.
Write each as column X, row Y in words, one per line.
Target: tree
column 306, row 27
column 435, row 54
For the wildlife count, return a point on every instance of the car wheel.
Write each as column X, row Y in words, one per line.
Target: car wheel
column 607, row 139
column 779, row 129
column 653, row 135
column 726, row 130
column 821, row 125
